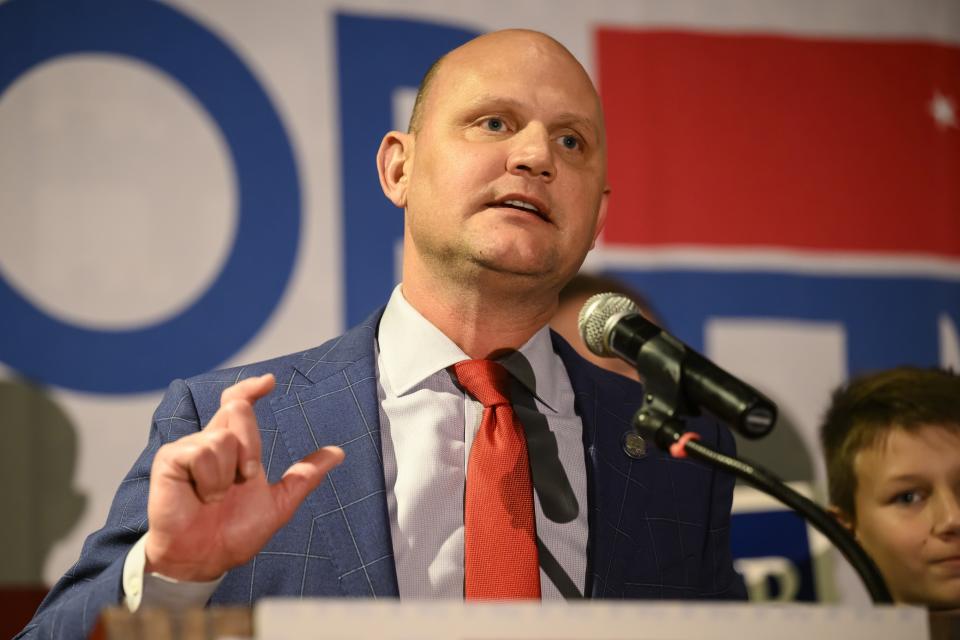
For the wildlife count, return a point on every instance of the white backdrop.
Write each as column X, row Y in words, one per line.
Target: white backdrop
column 119, row 203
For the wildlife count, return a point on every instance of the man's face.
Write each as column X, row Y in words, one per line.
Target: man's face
column 908, row 513
column 507, row 174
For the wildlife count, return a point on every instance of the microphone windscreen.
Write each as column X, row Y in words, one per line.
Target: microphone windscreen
column 595, row 313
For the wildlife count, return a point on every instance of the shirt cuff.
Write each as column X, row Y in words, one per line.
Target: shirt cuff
column 157, row 590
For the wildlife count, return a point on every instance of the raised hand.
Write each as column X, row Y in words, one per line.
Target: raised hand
column 211, row 507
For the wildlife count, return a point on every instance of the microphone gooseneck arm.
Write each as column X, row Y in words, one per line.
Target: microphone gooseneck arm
column 659, row 418
column 667, row 436
column 662, row 360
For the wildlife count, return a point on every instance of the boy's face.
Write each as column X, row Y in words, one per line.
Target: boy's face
column 908, row 513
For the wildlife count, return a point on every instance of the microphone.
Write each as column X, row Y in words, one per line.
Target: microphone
column 611, row 325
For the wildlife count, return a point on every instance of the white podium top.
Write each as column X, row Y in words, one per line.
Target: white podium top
column 342, row 619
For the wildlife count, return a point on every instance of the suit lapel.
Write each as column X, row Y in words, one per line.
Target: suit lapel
column 335, row 402
column 606, row 403
column 331, row 398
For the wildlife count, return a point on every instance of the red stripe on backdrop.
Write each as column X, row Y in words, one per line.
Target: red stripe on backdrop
column 738, row 140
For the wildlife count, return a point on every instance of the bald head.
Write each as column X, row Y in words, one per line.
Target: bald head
column 502, row 176
column 495, row 44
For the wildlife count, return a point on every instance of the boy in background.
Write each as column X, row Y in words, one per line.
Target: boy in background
column 892, row 446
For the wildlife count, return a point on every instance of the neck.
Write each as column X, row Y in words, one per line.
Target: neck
column 483, row 319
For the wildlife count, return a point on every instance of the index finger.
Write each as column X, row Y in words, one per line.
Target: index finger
column 236, row 415
column 249, row 389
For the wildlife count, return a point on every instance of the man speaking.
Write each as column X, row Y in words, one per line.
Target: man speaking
column 450, row 446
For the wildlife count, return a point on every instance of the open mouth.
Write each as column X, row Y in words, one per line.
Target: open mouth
column 523, row 205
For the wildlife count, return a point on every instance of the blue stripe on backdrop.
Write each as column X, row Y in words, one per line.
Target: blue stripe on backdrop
column 375, row 57
column 888, row 320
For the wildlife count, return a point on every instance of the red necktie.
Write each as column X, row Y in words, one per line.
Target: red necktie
column 500, row 539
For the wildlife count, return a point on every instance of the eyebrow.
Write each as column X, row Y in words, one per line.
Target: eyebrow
column 905, row 477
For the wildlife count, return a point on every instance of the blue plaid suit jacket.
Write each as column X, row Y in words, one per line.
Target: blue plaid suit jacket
column 658, row 526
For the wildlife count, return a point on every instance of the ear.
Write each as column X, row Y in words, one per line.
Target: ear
column 601, row 215
column 396, row 149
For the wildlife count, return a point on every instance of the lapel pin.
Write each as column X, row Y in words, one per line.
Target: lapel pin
column 634, row 445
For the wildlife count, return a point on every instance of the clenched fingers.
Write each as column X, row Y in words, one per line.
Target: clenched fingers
column 207, row 461
column 211, row 465
column 226, row 452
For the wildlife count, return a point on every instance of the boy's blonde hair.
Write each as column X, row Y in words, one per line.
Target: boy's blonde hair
column 864, row 411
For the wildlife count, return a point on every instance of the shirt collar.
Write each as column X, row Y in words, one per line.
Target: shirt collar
column 412, row 349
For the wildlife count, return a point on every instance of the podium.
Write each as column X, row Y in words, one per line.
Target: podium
column 344, row 619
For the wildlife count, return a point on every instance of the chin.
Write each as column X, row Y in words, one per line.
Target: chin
column 949, row 602
column 938, row 600
column 512, row 265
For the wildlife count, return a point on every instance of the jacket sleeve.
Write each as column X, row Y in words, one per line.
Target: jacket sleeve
column 94, row 582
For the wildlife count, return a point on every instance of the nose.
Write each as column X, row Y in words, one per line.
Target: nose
column 947, row 516
column 531, row 154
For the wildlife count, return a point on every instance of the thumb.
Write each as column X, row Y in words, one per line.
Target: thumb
column 303, row 477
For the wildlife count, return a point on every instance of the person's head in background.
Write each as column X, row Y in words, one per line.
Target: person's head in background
column 892, row 447
column 572, row 297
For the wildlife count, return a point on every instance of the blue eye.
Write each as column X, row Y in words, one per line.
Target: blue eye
column 570, row 142
column 494, row 124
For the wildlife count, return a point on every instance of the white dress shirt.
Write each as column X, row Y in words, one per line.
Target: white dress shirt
column 427, row 425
